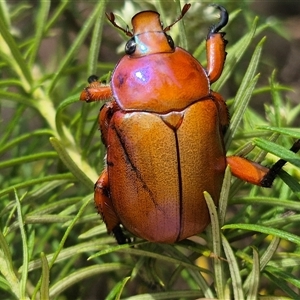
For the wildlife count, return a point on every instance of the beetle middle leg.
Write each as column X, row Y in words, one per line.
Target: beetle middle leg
column 223, row 111
column 106, row 209
column 255, row 173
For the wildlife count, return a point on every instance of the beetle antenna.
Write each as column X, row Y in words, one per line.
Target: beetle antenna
column 111, row 18
column 185, row 8
column 223, row 19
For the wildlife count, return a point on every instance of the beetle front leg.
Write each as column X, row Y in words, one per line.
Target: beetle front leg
column 215, row 47
column 95, row 91
column 255, row 173
column 105, row 208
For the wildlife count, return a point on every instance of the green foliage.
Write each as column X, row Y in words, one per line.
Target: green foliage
column 53, row 244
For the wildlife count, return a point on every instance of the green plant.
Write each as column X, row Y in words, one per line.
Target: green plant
column 52, row 242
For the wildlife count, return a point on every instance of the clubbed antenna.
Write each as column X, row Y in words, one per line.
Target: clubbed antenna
column 183, row 12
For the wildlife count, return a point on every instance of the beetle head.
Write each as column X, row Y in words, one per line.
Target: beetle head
column 148, row 35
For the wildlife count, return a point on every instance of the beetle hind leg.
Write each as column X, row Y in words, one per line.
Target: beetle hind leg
column 120, row 236
column 255, row 173
column 268, row 179
column 105, row 208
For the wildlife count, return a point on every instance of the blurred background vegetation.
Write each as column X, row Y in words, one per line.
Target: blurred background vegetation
column 53, row 244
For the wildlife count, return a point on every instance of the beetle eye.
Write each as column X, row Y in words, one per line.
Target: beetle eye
column 170, row 41
column 130, row 46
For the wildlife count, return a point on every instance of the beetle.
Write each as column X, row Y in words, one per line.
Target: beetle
column 163, row 129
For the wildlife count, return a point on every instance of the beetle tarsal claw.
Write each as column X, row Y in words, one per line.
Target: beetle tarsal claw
column 223, row 19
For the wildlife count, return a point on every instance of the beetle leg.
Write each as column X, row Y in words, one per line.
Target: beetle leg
column 274, row 170
column 105, row 115
column 255, row 173
column 215, row 47
column 95, row 91
column 247, row 170
column 105, row 208
column 223, row 111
